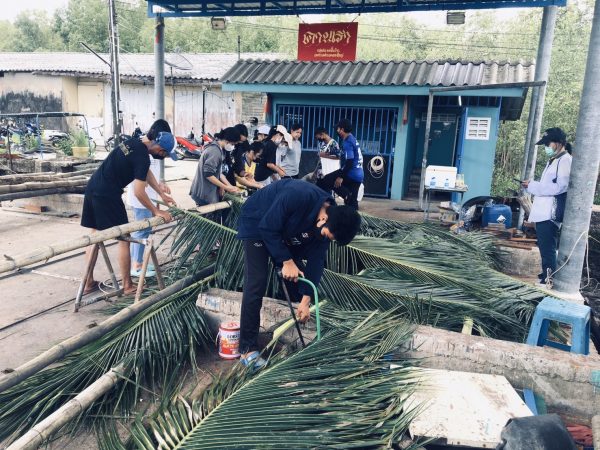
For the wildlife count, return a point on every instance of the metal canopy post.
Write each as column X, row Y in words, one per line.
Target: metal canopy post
column 425, row 150
column 159, row 78
column 584, row 173
column 538, row 95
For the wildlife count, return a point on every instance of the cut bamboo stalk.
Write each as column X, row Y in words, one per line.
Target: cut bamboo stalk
column 35, row 185
column 41, row 192
column 44, row 430
column 51, row 251
column 67, row 346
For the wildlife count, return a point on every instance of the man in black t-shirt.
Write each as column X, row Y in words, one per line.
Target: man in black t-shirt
column 103, row 206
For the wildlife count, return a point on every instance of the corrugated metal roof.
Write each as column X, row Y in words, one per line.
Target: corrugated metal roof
column 378, row 73
column 204, row 66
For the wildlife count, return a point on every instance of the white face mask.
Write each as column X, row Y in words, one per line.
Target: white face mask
column 278, row 140
column 229, row 147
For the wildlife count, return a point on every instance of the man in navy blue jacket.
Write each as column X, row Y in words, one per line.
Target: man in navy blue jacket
column 289, row 221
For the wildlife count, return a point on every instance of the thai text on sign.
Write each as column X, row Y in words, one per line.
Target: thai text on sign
column 327, row 41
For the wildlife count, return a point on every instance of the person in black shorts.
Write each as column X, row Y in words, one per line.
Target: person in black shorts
column 103, row 206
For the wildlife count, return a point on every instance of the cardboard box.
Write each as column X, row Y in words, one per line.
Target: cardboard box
column 441, row 174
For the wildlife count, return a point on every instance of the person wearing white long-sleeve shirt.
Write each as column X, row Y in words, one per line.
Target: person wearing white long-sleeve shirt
column 550, row 196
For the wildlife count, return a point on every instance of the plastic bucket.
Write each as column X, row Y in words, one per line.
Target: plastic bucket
column 229, row 340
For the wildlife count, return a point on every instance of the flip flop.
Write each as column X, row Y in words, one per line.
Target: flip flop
column 95, row 286
column 254, row 361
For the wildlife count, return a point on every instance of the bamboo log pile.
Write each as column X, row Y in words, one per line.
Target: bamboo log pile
column 50, row 251
column 44, row 430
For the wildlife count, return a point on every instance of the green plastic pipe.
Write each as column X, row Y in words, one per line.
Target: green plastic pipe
column 316, row 295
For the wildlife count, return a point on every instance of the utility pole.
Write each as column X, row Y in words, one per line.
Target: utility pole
column 159, row 77
column 584, row 173
column 538, row 95
column 114, row 70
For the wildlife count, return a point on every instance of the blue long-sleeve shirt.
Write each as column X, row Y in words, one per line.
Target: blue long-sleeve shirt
column 283, row 215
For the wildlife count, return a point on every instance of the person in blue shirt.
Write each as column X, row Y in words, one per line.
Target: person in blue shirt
column 289, row 221
column 346, row 181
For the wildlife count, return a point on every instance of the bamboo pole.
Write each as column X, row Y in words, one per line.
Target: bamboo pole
column 36, row 185
column 41, row 192
column 44, row 430
column 50, row 251
column 67, row 346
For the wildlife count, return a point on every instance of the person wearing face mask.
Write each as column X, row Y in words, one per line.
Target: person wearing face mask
column 210, row 183
column 289, row 222
column 103, row 205
column 266, row 165
column 550, row 195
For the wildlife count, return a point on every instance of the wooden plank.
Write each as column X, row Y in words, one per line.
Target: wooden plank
column 465, row 409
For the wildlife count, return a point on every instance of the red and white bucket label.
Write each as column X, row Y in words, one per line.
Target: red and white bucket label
column 229, row 340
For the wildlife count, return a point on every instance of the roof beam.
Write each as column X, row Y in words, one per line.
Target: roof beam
column 200, row 8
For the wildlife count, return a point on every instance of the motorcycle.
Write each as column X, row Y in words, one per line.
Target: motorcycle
column 191, row 147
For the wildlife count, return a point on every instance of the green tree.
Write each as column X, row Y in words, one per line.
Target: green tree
column 32, row 32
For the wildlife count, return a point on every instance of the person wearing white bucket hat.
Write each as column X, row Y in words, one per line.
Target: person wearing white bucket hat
column 262, row 133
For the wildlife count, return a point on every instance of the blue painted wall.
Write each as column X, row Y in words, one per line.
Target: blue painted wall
column 478, row 156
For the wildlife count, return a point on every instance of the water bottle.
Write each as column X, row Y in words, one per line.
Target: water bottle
column 432, row 183
column 446, row 184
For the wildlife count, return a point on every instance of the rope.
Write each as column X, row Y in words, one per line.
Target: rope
column 587, row 264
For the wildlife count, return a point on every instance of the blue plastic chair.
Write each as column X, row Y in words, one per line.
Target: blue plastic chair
column 553, row 310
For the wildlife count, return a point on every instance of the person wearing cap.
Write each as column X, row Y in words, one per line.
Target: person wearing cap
column 103, row 205
column 347, row 180
column 550, row 195
column 262, row 133
column 290, row 154
column 210, row 183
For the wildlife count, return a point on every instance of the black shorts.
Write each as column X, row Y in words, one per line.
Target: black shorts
column 101, row 212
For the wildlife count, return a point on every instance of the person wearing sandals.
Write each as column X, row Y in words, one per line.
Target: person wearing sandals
column 288, row 222
column 103, row 205
column 550, row 196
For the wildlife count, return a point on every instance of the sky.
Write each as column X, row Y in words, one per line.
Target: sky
column 10, row 10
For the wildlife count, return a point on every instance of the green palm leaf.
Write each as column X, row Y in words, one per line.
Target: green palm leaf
column 199, row 241
column 156, row 346
column 336, row 393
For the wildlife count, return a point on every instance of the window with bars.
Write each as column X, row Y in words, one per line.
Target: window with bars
column 478, row 128
column 374, row 128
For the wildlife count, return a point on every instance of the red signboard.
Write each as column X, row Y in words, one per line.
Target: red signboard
column 327, row 41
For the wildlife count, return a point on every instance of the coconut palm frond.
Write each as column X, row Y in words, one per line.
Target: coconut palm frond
column 338, row 392
column 440, row 306
column 198, row 241
column 156, row 344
